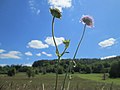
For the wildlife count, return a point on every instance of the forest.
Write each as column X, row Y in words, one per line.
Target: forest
column 110, row 66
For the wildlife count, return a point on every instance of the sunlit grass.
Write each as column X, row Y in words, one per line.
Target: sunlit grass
column 98, row 78
column 79, row 82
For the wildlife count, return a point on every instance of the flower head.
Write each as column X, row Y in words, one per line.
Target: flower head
column 88, row 20
column 66, row 42
column 55, row 12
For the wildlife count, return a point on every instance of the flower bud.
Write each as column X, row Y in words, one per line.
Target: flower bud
column 66, row 42
column 55, row 12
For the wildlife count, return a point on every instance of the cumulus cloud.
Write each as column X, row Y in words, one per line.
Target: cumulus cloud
column 28, row 53
column 59, row 40
column 107, row 57
column 60, row 4
column 107, row 43
column 11, row 55
column 49, row 55
column 2, row 50
column 36, row 44
column 34, row 6
column 38, row 54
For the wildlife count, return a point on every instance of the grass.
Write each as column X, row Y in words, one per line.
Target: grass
column 98, row 78
column 79, row 82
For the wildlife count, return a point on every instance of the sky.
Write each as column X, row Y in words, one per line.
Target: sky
column 25, row 29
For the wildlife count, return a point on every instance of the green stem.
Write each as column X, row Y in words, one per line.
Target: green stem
column 56, row 83
column 65, row 79
column 63, row 52
column 69, row 67
column 79, row 42
column 57, row 52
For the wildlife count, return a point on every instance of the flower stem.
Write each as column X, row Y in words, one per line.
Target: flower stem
column 69, row 67
column 56, row 83
column 57, row 52
column 80, row 42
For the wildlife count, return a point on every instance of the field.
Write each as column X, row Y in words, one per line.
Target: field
column 78, row 82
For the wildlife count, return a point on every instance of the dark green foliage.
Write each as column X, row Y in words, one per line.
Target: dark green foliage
column 115, row 70
column 11, row 72
column 88, row 69
column 36, row 71
column 82, row 66
column 30, row 72
column 60, row 70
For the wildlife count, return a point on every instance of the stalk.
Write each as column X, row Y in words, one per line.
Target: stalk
column 57, row 52
column 69, row 67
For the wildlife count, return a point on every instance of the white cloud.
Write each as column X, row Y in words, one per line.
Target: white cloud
column 2, row 50
column 37, row 44
column 49, row 55
column 34, row 6
column 107, row 57
column 28, row 54
column 27, row 64
column 107, row 43
column 38, row 54
column 11, row 55
column 60, row 4
column 59, row 40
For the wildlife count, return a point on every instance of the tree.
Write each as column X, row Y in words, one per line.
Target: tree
column 115, row 70
column 11, row 72
column 88, row 69
column 60, row 70
column 30, row 72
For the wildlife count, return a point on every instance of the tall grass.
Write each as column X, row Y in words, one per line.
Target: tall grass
column 47, row 82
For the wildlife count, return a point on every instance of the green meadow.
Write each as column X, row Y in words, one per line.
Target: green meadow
column 47, row 82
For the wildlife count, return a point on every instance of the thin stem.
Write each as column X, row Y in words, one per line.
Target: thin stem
column 65, row 79
column 80, row 42
column 57, row 52
column 69, row 67
column 63, row 52
column 56, row 83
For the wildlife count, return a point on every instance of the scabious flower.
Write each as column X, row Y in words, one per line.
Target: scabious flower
column 88, row 20
column 55, row 12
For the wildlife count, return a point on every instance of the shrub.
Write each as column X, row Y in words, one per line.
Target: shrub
column 30, row 72
column 115, row 70
column 11, row 72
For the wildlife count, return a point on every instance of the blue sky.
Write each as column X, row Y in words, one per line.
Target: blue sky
column 25, row 29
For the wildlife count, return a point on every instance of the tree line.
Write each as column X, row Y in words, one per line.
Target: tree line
column 85, row 65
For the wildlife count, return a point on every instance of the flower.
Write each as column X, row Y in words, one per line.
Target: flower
column 66, row 42
column 88, row 20
column 55, row 12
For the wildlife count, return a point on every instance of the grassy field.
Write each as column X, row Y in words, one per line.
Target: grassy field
column 98, row 78
column 79, row 82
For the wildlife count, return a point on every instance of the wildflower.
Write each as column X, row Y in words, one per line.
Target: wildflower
column 88, row 20
column 55, row 12
column 66, row 42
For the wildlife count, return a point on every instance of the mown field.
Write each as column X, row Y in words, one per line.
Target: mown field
column 78, row 82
